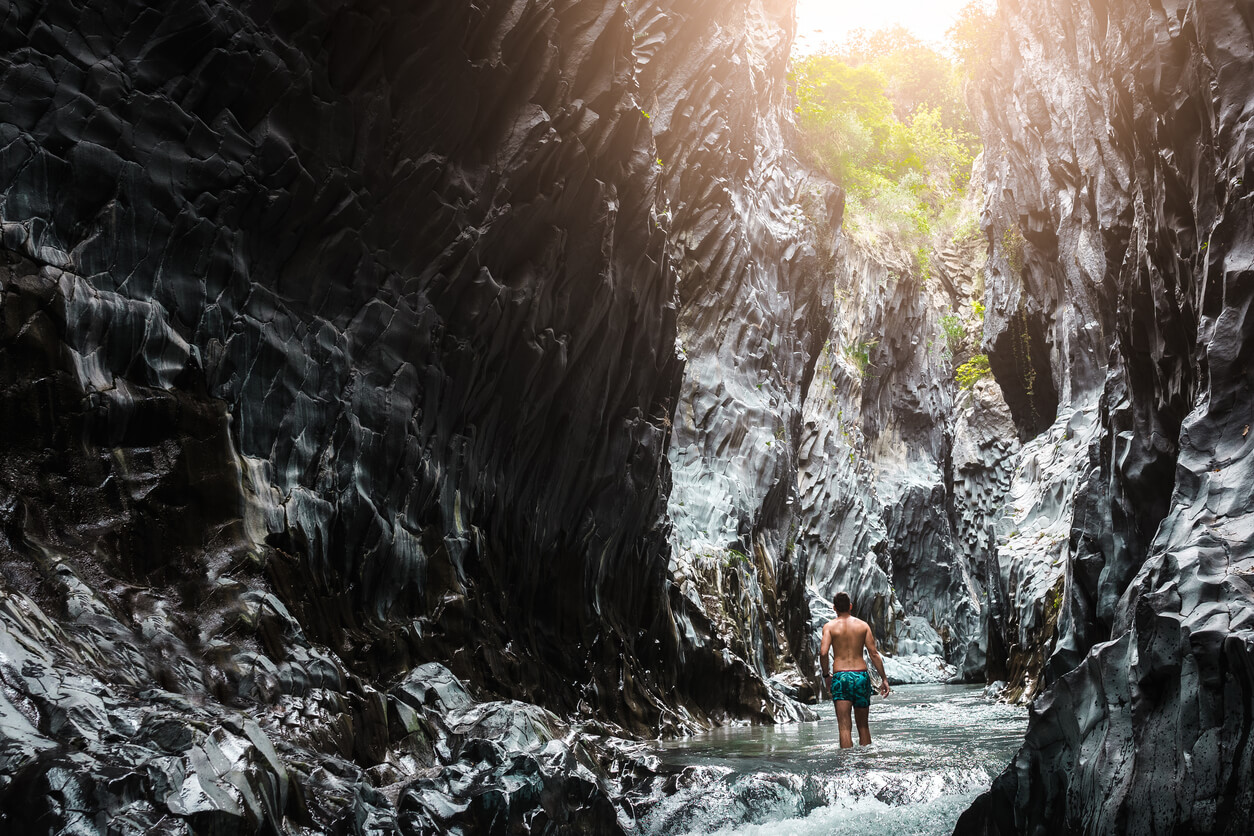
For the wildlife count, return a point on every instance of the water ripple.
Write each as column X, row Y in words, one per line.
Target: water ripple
column 935, row 748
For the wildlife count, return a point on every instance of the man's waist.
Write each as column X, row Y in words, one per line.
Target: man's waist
column 850, row 670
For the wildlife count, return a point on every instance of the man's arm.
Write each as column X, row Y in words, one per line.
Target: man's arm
column 824, row 647
column 877, row 661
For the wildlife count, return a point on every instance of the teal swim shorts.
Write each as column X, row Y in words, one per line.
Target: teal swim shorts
column 854, row 686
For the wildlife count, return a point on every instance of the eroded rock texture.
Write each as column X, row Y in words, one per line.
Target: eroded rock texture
column 903, row 472
column 1117, row 154
column 755, row 296
column 342, row 337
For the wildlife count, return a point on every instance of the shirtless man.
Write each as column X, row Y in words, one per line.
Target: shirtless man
column 845, row 636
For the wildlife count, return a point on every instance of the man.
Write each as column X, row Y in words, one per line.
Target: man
column 850, row 686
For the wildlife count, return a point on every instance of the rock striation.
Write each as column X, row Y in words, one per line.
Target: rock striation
column 406, row 404
column 1116, row 154
column 754, row 300
column 338, row 340
column 903, row 472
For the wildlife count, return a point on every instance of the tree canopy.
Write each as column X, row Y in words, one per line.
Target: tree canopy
column 884, row 116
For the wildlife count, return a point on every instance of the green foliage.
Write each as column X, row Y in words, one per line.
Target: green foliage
column 972, row 370
column 1012, row 245
column 860, row 354
column 923, row 260
column 978, row 308
column 885, row 118
column 973, row 36
column 967, row 230
column 955, row 332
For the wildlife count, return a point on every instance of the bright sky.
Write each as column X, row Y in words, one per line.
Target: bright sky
column 820, row 21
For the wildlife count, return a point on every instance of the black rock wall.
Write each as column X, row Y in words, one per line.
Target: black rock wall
column 749, row 235
column 372, row 265
column 1119, row 150
column 342, row 337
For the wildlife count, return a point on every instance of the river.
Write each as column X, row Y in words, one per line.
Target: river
column 935, row 747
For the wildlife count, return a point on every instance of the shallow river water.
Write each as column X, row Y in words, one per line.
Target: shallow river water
column 934, row 748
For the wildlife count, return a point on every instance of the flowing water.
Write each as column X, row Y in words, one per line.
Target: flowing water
column 935, row 747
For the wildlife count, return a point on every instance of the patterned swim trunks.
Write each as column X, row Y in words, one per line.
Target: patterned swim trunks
column 854, row 686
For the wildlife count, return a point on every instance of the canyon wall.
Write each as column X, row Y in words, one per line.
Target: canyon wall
column 401, row 401
column 749, row 237
column 341, row 339
column 904, row 471
column 1119, row 290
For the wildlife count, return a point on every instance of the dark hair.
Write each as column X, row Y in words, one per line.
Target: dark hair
column 842, row 602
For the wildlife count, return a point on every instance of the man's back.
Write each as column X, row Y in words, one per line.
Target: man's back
column 847, row 636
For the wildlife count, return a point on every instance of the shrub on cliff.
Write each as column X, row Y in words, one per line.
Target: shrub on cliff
column 969, row 372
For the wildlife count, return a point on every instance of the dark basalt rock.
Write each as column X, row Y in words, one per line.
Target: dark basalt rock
column 337, row 338
column 1020, row 356
column 755, row 298
column 1117, row 149
column 278, row 205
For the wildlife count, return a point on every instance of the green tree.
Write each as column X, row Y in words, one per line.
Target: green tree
column 973, row 36
column 885, row 118
column 916, row 75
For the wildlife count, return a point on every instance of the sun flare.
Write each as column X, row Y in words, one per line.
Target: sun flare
column 821, row 22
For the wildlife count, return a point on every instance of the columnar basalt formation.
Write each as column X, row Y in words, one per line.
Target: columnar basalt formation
column 754, row 301
column 887, row 512
column 401, row 400
column 339, row 338
column 1117, row 153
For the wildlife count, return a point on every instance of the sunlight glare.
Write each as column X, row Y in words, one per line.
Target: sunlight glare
column 822, row 22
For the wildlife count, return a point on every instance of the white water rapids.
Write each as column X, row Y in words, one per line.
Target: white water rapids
column 935, row 747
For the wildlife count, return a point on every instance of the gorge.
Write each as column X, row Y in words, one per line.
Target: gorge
column 410, row 408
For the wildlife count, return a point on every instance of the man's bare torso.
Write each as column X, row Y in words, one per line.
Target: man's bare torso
column 847, row 635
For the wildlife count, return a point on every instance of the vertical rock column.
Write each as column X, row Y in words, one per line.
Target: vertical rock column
column 1118, row 132
column 753, row 306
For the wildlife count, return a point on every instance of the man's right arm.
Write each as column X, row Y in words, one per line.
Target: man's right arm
column 824, row 647
column 877, row 660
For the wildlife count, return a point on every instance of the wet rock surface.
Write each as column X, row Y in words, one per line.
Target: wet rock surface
column 903, row 473
column 1120, row 224
column 337, row 339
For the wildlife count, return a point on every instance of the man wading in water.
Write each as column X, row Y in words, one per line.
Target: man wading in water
column 845, row 636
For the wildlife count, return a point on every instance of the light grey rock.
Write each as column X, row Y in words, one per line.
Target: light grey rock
column 918, row 669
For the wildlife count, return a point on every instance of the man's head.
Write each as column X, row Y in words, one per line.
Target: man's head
column 842, row 603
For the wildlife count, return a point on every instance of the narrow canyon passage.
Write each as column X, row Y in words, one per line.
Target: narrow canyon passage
column 460, row 417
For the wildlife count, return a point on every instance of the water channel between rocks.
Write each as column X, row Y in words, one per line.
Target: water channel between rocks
column 935, row 747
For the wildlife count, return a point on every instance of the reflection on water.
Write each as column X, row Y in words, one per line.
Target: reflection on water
column 935, row 748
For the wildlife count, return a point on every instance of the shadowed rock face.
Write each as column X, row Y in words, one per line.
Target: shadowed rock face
column 280, row 206
column 336, row 338
column 1118, row 154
